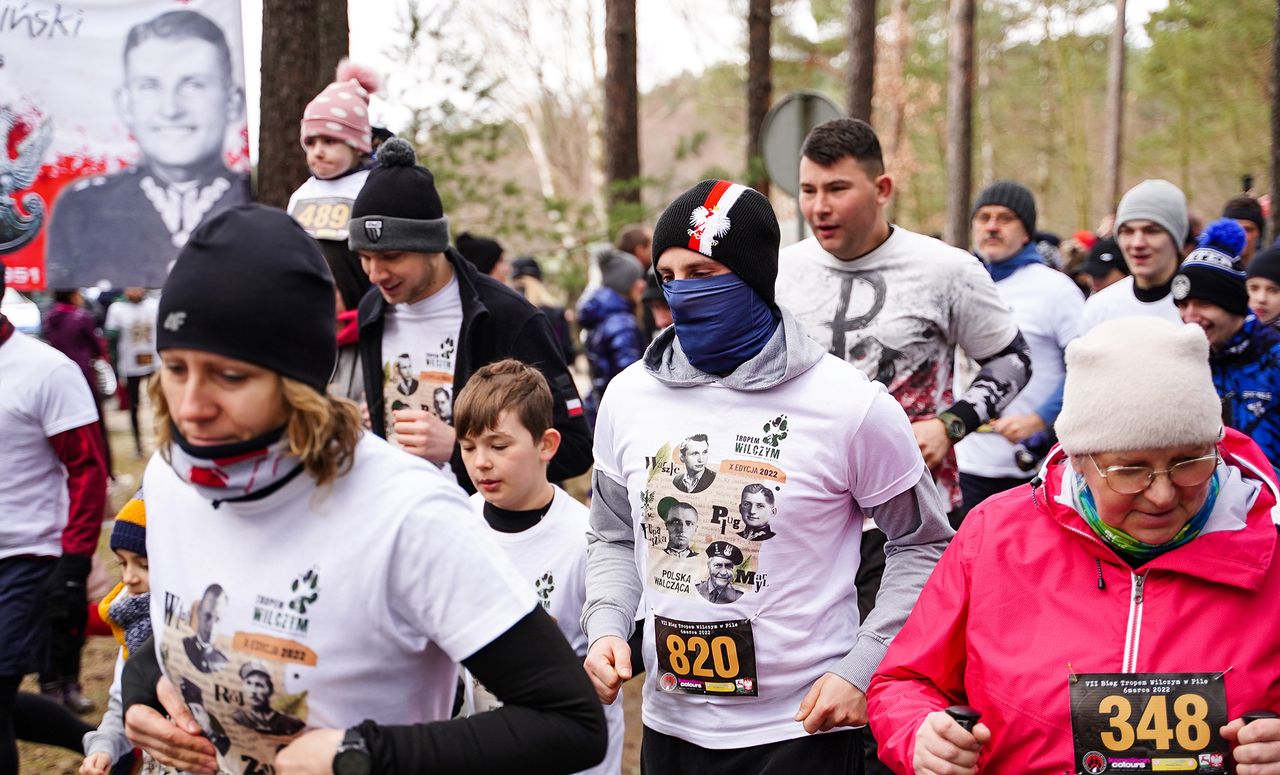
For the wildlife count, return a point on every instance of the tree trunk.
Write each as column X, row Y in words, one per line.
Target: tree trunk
column 759, row 87
column 1114, row 160
column 1275, row 127
column 860, row 73
column 897, row 148
column 621, row 108
column 306, row 41
column 959, row 121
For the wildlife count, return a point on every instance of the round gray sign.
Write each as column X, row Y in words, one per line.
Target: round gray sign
column 782, row 134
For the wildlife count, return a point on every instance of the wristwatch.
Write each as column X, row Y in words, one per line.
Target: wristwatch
column 352, row 757
column 954, row 425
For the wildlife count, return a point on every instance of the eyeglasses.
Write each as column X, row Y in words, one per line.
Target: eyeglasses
column 1131, row 480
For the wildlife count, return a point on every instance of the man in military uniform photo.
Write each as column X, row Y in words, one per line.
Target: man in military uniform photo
column 178, row 99
column 722, row 558
column 681, row 519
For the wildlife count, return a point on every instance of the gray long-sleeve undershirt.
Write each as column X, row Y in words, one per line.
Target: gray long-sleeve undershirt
column 914, row 522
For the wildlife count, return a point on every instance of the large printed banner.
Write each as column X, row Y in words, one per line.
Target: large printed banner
column 124, row 127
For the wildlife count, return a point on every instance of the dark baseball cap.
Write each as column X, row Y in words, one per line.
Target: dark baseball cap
column 1103, row 257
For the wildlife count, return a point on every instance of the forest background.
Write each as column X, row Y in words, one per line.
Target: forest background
column 505, row 101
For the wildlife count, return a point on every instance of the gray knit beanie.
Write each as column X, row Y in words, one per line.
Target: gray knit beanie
column 619, row 271
column 1158, row 201
column 1012, row 195
column 1104, row 411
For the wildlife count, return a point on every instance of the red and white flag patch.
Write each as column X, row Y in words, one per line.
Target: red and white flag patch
column 710, row 220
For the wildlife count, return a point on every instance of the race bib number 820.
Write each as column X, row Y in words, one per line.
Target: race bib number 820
column 706, row 657
column 1149, row 722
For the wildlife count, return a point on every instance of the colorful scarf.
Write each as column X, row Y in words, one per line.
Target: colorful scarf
column 132, row 613
column 1127, row 544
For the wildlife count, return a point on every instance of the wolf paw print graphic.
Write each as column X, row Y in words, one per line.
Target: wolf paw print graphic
column 306, row 590
column 775, row 430
column 544, row 587
column 446, row 348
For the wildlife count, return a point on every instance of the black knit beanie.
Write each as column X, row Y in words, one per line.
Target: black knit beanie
column 1211, row 272
column 398, row 208
column 485, row 253
column 1012, row 195
column 1266, row 264
column 251, row 285
column 729, row 223
column 1245, row 208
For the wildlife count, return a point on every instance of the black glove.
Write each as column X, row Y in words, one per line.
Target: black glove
column 65, row 596
column 139, row 679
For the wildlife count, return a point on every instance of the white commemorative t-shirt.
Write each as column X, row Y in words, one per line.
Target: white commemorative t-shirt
column 323, row 207
column 552, row 558
column 1048, row 307
column 419, row 351
column 322, row 607
column 42, row 394
column 1118, row 301
column 136, row 347
column 748, row 524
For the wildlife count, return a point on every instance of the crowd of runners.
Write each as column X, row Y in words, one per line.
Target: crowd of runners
column 864, row 503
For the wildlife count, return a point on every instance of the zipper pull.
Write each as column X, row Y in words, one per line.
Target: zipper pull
column 1138, row 581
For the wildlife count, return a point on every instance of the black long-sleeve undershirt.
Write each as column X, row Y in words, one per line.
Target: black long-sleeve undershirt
column 550, row 721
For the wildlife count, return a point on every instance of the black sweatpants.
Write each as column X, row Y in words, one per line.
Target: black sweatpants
column 976, row 489
column 833, row 753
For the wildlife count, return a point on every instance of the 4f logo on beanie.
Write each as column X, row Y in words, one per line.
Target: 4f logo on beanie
column 373, row 230
column 174, row 321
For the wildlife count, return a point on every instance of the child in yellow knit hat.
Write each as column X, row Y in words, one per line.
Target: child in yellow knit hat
column 127, row 610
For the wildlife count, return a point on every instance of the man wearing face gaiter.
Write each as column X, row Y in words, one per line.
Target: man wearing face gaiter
column 741, row 681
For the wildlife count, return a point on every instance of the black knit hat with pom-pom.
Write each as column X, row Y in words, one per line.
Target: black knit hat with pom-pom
column 398, row 208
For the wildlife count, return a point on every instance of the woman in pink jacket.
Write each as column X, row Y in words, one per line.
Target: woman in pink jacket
column 1119, row 613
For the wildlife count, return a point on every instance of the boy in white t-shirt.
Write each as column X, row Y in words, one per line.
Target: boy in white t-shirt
column 504, row 425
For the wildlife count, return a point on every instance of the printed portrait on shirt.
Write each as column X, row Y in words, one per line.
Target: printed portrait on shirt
column 236, row 680
column 420, row 381
column 709, row 507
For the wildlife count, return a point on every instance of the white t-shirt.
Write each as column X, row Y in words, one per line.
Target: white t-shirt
column 136, row 347
column 552, row 558
column 898, row 313
column 355, row 600
column 1118, row 301
column 1047, row 306
column 42, row 394
column 741, row 650
column 419, row 351
column 323, row 207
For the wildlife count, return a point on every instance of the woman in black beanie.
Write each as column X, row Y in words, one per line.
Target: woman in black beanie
column 307, row 575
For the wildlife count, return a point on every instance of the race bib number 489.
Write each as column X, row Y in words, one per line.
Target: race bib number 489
column 325, row 218
column 706, row 657
column 1149, row 722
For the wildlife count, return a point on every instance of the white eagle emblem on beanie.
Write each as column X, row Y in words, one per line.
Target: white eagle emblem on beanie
column 709, row 225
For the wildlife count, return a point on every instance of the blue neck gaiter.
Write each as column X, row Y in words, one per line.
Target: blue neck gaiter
column 1025, row 257
column 721, row 321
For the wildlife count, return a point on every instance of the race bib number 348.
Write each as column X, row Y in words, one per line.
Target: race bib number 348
column 1149, row 722
column 717, row 658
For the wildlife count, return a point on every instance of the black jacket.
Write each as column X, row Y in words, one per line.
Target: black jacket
column 497, row 323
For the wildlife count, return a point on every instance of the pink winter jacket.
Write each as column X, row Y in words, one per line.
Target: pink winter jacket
column 1026, row 588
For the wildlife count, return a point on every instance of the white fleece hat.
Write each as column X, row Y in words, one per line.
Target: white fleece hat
column 1138, row 383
